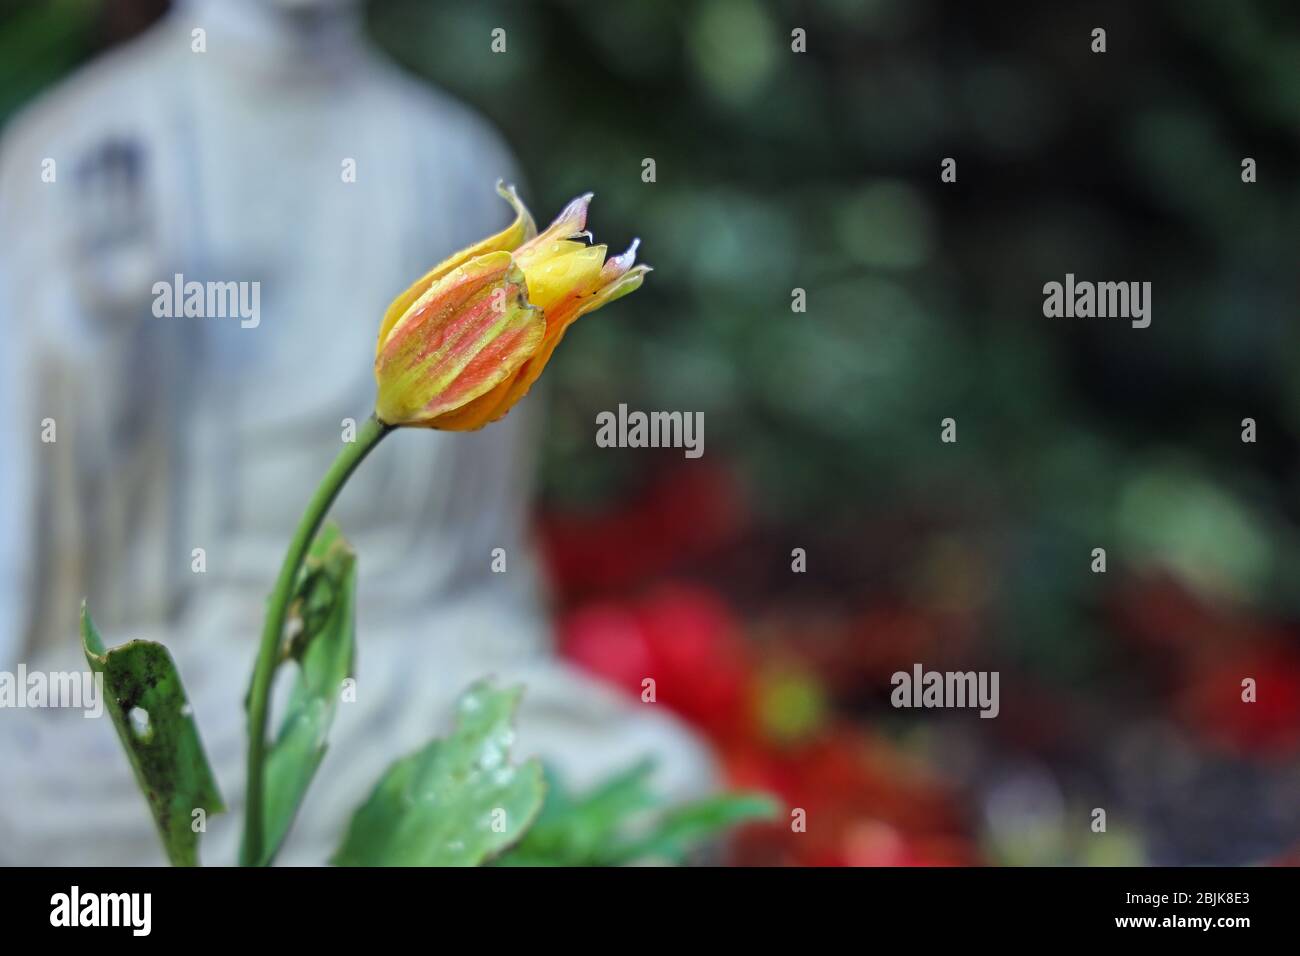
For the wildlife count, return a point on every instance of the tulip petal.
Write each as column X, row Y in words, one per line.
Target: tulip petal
column 469, row 331
column 493, row 405
column 443, row 361
column 573, row 309
column 571, row 222
column 573, row 270
column 618, row 265
column 509, row 239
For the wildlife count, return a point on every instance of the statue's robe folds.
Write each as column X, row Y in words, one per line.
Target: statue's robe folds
column 177, row 434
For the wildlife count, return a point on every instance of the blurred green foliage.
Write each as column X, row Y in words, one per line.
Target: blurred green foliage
column 778, row 170
column 40, row 43
column 820, row 171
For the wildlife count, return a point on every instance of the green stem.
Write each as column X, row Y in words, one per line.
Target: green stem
column 268, row 653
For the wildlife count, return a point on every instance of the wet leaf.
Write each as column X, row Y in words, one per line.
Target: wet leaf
column 624, row 821
column 456, row 802
column 682, row 828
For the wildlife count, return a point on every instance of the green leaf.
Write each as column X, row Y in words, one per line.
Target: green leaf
column 582, row 831
column 145, row 698
column 686, row 826
column 622, row 821
column 456, row 802
column 323, row 610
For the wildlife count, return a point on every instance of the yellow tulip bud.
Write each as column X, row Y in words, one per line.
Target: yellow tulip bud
column 462, row 345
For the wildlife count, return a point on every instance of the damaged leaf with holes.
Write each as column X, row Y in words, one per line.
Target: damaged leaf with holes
column 322, row 640
column 146, row 700
column 458, row 801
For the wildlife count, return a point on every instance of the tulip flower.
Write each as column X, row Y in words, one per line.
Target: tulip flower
column 455, row 351
column 462, row 345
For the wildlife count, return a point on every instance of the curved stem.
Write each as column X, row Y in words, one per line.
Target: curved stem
column 268, row 653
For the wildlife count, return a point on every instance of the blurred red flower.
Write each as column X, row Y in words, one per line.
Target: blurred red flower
column 1212, row 703
column 687, row 512
column 683, row 637
column 863, row 803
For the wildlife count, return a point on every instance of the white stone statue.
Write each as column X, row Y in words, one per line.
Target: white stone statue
column 175, row 434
